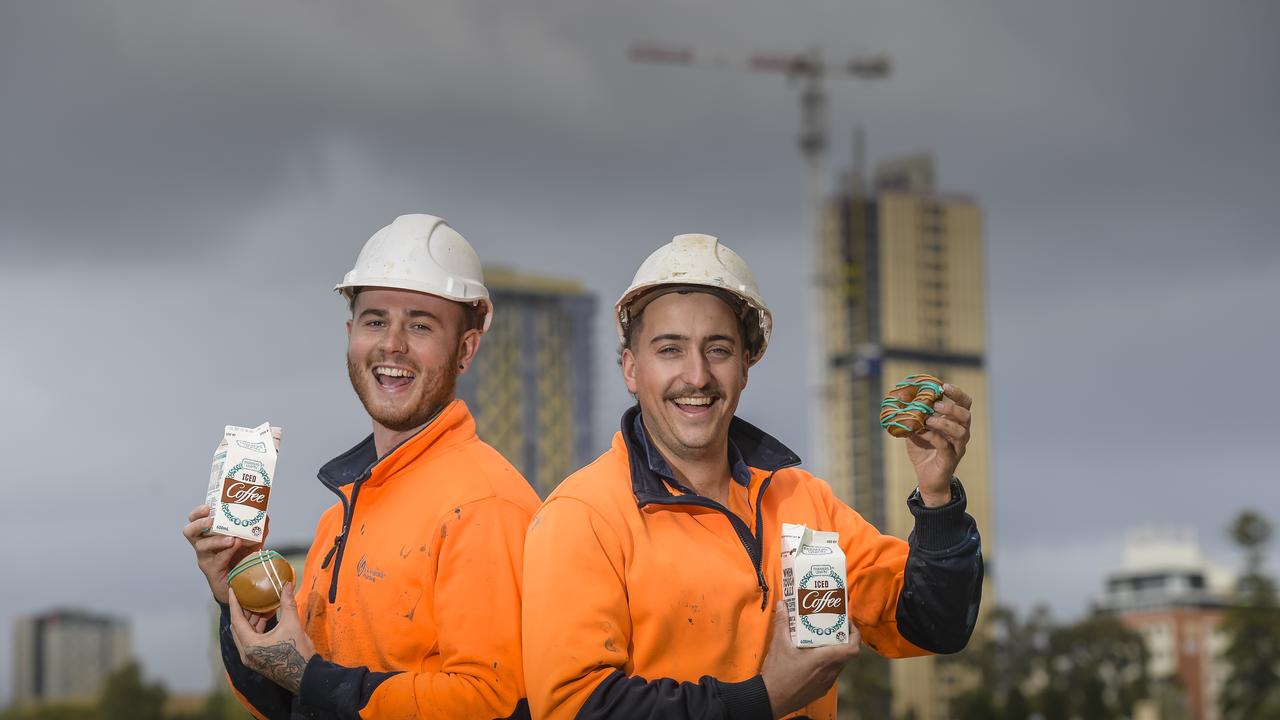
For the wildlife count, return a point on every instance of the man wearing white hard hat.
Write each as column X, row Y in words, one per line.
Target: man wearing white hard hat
column 409, row 603
column 652, row 577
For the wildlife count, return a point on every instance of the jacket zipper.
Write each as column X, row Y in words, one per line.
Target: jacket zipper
column 753, row 545
column 340, row 540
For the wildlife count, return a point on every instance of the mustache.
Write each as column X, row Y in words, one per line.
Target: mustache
column 711, row 390
column 398, row 362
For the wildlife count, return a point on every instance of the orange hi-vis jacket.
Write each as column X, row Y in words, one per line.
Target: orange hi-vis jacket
column 643, row 599
column 411, row 589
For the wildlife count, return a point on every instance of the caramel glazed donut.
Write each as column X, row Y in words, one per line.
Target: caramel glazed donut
column 904, row 410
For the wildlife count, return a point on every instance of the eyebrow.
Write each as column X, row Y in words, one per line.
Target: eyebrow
column 685, row 338
column 379, row 312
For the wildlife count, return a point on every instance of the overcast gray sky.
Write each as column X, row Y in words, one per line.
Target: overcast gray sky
column 181, row 184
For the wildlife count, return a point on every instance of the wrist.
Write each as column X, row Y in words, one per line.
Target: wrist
column 749, row 699
column 935, row 499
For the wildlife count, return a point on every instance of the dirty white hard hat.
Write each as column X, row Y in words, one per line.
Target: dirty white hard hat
column 421, row 253
column 698, row 261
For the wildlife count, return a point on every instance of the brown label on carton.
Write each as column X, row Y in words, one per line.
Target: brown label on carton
column 243, row 493
column 821, row 601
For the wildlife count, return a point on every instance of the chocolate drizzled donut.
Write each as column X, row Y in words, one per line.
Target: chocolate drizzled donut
column 904, row 410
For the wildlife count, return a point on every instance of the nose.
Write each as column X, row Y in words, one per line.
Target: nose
column 394, row 341
column 697, row 370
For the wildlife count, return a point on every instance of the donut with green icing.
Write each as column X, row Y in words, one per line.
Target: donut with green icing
column 910, row 402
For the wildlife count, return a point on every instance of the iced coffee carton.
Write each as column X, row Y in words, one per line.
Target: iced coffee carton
column 244, row 467
column 813, row 587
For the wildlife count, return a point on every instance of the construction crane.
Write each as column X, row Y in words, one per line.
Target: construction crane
column 810, row 71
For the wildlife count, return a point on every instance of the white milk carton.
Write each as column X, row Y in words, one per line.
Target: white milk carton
column 813, row 587
column 244, row 466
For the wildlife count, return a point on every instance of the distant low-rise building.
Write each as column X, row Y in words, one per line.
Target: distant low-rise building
column 1168, row 593
column 65, row 655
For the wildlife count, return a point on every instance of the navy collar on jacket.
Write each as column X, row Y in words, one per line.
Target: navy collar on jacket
column 749, row 447
column 737, row 466
column 350, row 465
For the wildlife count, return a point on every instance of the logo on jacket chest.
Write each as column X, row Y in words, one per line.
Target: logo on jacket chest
column 365, row 571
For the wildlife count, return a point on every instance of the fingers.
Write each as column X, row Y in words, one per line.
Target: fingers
column 953, row 410
column 287, row 600
column 239, row 623
column 213, row 544
column 855, row 640
column 781, row 630
column 942, row 442
column 228, row 556
column 198, row 512
column 961, row 397
column 207, row 543
column 835, row 656
column 197, row 528
column 956, row 434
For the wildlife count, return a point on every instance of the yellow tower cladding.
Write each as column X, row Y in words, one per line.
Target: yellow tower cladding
column 530, row 387
column 904, row 294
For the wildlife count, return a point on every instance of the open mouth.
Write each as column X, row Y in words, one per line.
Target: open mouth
column 390, row 377
column 694, row 404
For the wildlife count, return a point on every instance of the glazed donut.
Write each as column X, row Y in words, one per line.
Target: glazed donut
column 259, row 579
column 904, row 410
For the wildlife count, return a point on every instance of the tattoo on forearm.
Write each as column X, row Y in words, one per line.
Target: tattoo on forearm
column 281, row 663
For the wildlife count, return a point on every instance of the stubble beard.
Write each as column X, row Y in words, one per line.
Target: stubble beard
column 438, row 385
column 670, row 435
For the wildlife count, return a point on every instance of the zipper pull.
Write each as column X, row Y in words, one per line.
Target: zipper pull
column 764, row 589
column 329, row 555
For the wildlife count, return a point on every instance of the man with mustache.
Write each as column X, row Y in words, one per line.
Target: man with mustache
column 409, row 603
column 652, row 576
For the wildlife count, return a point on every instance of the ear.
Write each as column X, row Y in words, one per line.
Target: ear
column 348, row 331
column 468, row 344
column 629, row 370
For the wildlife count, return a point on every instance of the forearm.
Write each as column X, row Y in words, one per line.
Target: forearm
column 942, row 584
column 617, row 696
column 358, row 693
column 260, row 695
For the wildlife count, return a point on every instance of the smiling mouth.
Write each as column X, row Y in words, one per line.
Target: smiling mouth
column 392, row 377
column 694, row 404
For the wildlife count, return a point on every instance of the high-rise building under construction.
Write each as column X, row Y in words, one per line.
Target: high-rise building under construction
column 530, row 388
column 902, row 272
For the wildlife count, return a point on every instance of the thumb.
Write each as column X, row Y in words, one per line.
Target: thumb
column 780, row 615
column 287, row 612
column 780, row 636
column 287, row 600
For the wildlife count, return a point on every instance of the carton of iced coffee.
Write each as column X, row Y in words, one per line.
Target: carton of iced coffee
column 244, row 466
column 813, row 587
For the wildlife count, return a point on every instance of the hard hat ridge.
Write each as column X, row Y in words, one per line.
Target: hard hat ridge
column 424, row 254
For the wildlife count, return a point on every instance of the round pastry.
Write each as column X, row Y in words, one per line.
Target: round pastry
column 904, row 410
column 259, row 579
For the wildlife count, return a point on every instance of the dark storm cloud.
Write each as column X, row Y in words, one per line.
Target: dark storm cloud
column 166, row 169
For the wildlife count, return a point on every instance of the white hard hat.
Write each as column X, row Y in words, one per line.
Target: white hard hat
column 699, row 261
column 421, row 253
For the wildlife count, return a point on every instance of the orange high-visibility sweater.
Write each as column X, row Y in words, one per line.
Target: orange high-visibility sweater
column 643, row 599
column 411, row 589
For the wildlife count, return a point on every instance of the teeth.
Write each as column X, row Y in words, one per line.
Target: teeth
column 693, row 401
column 392, row 372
